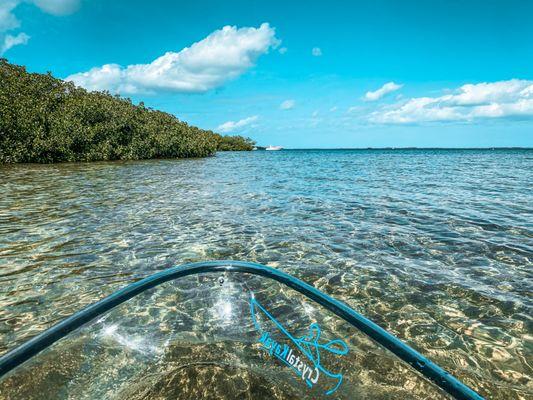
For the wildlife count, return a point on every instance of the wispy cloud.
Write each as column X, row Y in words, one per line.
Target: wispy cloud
column 356, row 109
column 57, row 7
column 511, row 98
column 235, row 126
column 223, row 55
column 9, row 22
column 316, row 51
column 11, row 41
column 387, row 88
column 287, row 104
column 282, row 50
column 315, row 119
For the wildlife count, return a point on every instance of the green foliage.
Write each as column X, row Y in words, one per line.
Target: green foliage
column 44, row 120
column 234, row 143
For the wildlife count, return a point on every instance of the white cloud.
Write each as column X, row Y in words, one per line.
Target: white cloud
column 315, row 119
column 10, row 41
column 223, row 55
column 101, row 78
column 233, row 126
column 58, row 7
column 382, row 91
column 316, row 51
column 287, row 104
column 512, row 98
column 355, row 109
column 333, row 109
column 9, row 22
column 282, row 50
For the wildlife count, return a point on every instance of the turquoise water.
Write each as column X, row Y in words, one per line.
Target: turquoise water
column 434, row 245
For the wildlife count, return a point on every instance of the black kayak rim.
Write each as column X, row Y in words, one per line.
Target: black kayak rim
column 426, row 367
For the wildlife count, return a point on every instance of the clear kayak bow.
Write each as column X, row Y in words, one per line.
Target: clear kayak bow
column 221, row 329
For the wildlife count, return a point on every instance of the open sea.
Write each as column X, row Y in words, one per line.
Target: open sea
column 435, row 246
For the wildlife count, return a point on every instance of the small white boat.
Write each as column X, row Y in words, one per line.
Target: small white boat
column 273, row 148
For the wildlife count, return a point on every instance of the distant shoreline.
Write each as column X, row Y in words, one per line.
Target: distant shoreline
column 46, row 120
column 409, row 148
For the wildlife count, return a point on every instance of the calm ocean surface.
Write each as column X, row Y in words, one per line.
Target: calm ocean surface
column 434, row 245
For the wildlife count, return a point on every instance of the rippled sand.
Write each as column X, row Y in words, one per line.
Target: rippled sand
column 435, row 246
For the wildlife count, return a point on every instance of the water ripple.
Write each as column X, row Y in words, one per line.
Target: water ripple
column 435, row 246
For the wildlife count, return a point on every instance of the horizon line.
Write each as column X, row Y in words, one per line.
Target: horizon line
column 409, row 148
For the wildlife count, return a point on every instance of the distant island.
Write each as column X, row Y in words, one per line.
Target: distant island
column 45, row 120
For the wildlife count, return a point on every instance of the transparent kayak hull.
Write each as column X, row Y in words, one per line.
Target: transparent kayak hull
column 221, row 330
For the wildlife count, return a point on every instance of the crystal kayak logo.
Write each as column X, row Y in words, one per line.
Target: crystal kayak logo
column 301, row 354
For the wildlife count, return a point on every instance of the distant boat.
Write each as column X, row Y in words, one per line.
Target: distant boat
column 273, row 148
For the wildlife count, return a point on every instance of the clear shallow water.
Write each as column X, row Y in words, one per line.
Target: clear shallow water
column 434, row 245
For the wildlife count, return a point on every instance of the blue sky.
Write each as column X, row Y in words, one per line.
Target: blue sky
column 298, row 74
